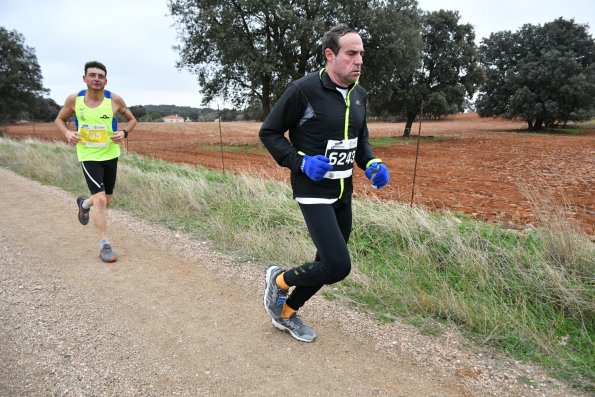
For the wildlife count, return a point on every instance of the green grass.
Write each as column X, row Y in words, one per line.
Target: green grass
column 385, row 141
column 576, row 128
column 585, row 125
column 374, row 141
column 569, row 131
column 531, row 294
column 246, row 148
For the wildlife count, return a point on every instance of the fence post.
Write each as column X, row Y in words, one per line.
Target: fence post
column 421, row 112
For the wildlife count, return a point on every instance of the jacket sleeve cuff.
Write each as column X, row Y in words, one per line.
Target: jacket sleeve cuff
column 300, row 161
column 373, row 161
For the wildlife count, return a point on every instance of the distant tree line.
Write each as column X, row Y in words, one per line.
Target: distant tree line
column 155, row 113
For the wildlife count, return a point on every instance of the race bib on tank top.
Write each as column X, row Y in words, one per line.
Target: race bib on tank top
column 93, row 135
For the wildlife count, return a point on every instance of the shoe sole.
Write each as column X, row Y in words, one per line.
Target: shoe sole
column 267, row 277
column 296, row 336
column 109, row 260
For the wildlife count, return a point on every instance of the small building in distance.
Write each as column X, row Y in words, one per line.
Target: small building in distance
column 173, row 118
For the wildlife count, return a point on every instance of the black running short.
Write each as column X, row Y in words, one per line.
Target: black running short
column 100, row 175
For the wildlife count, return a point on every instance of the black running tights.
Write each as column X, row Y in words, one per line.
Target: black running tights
column 329, row 226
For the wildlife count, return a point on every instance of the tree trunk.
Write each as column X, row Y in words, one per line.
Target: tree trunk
column 538, row 125
column 266, row 96
column 409, row 125
column 266, row 106
column 530, row 125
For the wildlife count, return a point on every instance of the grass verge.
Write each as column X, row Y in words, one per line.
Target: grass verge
column 529, row 294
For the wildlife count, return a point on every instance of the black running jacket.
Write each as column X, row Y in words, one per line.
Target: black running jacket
column 314, row 112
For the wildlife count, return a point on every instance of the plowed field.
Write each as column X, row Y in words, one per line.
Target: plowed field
column 480, row 167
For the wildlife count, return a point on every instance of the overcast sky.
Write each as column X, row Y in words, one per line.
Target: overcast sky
column 134, row 39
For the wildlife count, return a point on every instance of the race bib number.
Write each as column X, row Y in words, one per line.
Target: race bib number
column 94, row 135
column 342, row 156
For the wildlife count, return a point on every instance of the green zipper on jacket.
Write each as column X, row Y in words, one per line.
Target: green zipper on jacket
column 346, row 127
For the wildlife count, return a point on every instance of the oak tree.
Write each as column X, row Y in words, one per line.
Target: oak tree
column 20, row 76
column 541, row 74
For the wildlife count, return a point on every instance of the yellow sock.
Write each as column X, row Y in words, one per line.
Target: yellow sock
column 281, row 282
column 287, row 311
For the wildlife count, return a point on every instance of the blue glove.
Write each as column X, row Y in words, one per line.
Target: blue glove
column 316, row 166
column 378, row 174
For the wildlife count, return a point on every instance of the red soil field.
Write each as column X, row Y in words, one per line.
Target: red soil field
column 480, row 167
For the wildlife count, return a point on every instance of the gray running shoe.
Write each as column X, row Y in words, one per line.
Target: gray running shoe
column 295, row 326
column 83, row 213
column 274, row 297
column 106, row 254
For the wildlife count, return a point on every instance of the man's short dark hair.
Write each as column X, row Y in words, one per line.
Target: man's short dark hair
column 95, row 64
column 331, row 38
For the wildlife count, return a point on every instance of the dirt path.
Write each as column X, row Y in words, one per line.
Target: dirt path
column 173, row 317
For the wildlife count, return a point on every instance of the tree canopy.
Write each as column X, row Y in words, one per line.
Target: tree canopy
column 20, row 77
column 541, row 74
column 243, row 50
column 391, row 55
column 448, row 71
column 247, row 51
column 138, row 111
column 44, row 109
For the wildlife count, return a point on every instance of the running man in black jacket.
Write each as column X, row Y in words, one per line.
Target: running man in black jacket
column 325, row 114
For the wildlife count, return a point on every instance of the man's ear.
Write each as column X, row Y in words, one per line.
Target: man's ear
column 328, row 54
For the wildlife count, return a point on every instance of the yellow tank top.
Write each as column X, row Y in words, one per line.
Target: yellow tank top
column 95, row 127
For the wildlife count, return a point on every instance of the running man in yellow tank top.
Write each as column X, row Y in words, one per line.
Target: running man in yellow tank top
column 97, row 140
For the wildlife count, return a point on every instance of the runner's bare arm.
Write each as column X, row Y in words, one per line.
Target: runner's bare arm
column 119, row 106
column 63, row 116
